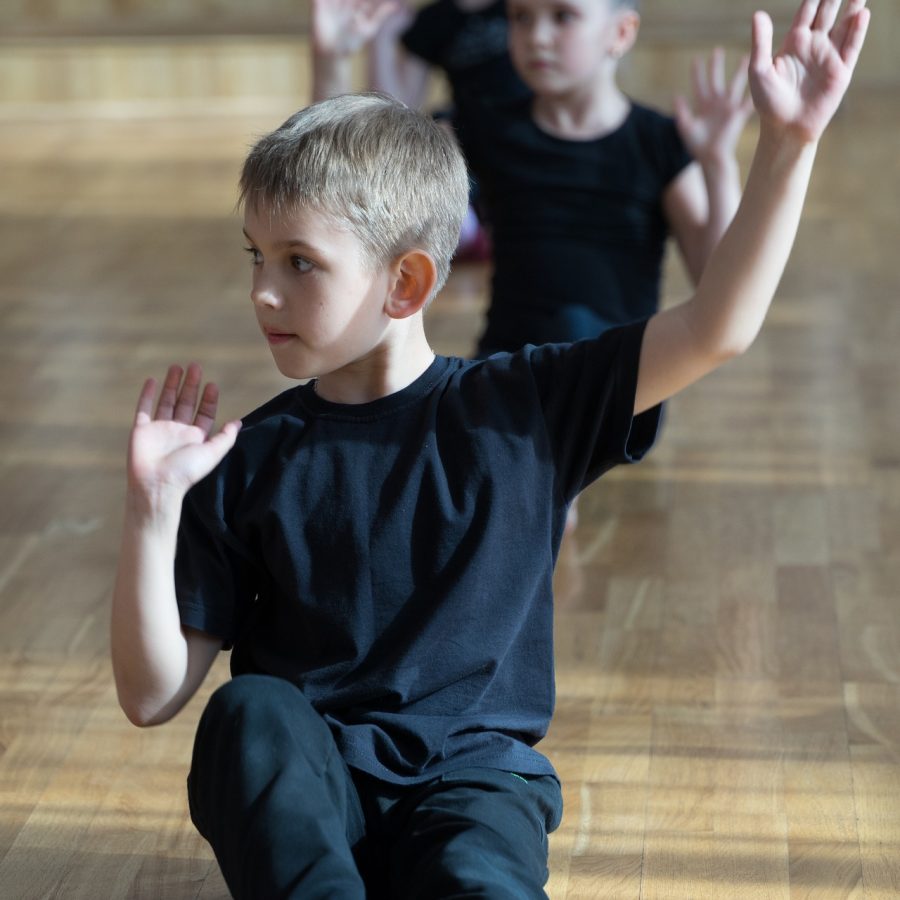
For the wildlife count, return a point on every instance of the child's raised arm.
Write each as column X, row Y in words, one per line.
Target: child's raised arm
column 339, row 29
column 701, row 202
column 796, row 93
column 157, row 664
column 393, row 69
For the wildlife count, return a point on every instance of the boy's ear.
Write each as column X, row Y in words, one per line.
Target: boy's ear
column 414, row 275
column 628, row 23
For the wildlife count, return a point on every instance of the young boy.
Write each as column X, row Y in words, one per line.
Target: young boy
column 377, row 545
column 582, row 185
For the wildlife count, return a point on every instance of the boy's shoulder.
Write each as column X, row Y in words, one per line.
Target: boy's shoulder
column 287, row 403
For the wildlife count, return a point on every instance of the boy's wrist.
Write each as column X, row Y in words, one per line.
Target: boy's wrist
column 720, row 165
column 157, row 508
column 783, row 148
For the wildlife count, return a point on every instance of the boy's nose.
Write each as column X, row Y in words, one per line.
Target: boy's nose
column 264, row 293
column 541, row 31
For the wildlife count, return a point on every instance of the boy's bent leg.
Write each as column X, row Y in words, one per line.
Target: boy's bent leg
column 476, row 833
column 272, row 795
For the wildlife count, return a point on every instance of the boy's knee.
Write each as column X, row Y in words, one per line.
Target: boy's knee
column 253, row 714
column 249, row 695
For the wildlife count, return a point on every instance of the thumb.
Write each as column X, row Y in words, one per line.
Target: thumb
column 682, row 114
column 761, row 45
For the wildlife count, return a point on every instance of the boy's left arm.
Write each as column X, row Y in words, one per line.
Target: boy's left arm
column 701, row 201
column 796, row 94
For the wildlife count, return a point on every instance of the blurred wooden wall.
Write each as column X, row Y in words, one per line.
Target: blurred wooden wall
column 146, row 57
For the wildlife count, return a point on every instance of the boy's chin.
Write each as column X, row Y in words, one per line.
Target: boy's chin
column 294, row 370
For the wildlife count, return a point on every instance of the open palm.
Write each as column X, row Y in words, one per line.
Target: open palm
column 174, row 448
column 711, row 127
column 342, row 27
column 802, row 86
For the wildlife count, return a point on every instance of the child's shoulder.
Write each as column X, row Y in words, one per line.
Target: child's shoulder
column 650, row 119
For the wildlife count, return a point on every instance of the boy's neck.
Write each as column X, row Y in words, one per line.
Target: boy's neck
column 583, row 115
column 392, row 365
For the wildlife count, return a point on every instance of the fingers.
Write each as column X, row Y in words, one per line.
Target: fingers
column 179, row 401
column 168, row 396
column 717, row 70
column 698, row 79
column 806, row 14
column 826, row 15
column 219, row 444
column 145, row 402
column 848, row 35
column 739, row 80
column 187, row 396
column 761, row 44
column 683, row 116
column 206, row 411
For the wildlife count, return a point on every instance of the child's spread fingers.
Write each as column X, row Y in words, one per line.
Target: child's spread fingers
column 761, row 49
column 187, row 396
column 806, row 14
column 698, row 73
column 856, row 35
column 826, row 15
column 145, row 401
column 739, row 80
column 169, row 393
column 717, row 70
column 206, row 411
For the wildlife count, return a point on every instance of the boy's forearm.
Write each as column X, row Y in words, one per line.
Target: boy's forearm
column 744, row 269
column 332, row 75
column 149, row 649
column 723, row 190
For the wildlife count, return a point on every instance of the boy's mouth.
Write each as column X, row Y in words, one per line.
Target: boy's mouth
column 277, row 337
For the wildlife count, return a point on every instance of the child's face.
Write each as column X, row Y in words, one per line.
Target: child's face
column 318, row 303
column 560, row 46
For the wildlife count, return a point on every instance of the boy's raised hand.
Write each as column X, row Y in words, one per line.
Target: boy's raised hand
column 173, row 448
column 711, row 127
column 799, row 90
column 341, row 27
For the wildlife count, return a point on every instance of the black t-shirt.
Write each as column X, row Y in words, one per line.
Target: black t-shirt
column 579, row 230
column 471, row 48
column 394, row 559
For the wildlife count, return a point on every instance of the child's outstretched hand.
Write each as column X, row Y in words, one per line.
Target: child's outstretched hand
column 174, row 448
column 800, row 89
column 341, row 27
column 711, row 129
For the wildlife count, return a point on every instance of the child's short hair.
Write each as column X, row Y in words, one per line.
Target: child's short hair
column 391, row 175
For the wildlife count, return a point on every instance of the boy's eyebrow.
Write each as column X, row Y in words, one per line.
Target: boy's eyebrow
column 283, row 245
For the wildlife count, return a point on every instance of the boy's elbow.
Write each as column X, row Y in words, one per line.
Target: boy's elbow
column 144, row 718
column 723, row 345
column 140, row 711
column 732, row 348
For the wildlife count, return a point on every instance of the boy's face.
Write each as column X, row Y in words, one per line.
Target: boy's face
column 559, row 46
column 318, row 303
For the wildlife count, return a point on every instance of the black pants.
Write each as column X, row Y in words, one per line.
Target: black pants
column 286, row 817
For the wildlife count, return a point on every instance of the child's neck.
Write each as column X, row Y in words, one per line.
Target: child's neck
column 393, row 364
column 582, row 115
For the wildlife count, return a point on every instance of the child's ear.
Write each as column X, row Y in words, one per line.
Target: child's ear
column 414, row 275
column 627, row 26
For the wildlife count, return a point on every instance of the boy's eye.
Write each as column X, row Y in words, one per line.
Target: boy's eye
column 301, row 264
column 255, row 255
column 519, row 17
column 561, row 16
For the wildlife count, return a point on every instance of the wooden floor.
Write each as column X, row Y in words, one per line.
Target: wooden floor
column 728, row 722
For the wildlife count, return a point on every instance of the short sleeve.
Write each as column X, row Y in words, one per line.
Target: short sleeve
column 670, row 153
column 214, row 574
column 587, row 394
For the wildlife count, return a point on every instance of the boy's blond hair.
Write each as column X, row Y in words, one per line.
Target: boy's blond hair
column 389, row 174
